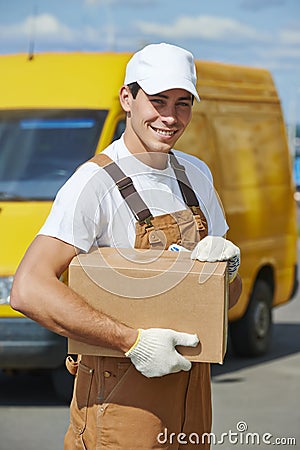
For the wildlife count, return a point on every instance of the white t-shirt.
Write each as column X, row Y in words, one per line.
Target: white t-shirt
column 90, row 211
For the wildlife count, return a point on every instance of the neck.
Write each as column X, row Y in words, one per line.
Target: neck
column 156, row 160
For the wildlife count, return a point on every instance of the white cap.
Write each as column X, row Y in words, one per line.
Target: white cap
column 160, row 67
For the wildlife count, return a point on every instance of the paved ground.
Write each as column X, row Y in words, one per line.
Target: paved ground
column 264, row 393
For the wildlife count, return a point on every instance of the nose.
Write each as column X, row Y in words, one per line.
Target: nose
column 169, row 115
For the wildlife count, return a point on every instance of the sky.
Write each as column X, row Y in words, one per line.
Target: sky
column 256, row 33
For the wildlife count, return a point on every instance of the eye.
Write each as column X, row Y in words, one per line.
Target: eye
column 157, row 101
column 184, row 103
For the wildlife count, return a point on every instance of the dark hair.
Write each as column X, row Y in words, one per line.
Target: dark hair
column 134, row 88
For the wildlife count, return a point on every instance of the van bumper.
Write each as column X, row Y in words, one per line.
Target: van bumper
column 24, row 344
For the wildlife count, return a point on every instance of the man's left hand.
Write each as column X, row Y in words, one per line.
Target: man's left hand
column 216, row 248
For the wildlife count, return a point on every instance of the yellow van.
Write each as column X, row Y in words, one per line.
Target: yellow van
column 57, row 110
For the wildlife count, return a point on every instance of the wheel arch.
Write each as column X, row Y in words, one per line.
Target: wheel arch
column 251, row 334
column 266, row 273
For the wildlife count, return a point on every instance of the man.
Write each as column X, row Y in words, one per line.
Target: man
column 126, row 403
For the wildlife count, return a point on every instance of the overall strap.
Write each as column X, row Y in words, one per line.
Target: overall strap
column 186, row 189
column 126, row 188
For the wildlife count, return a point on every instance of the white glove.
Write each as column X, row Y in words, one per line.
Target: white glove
column 154, row 353
column 216, row 248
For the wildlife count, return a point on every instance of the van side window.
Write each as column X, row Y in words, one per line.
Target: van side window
column 40, row 149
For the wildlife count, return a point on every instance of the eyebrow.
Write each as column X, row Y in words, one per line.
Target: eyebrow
column 189, row 97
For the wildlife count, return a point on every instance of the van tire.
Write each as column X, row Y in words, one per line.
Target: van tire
column 252, row 334
column 62, row 382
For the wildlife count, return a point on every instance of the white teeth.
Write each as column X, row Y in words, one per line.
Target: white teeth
column 164, row 132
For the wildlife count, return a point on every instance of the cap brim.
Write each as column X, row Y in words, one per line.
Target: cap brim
column 152, row 87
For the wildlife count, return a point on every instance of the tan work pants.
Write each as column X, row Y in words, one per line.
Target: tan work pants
column 116, row 408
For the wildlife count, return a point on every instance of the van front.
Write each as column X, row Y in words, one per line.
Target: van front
column 49, row 124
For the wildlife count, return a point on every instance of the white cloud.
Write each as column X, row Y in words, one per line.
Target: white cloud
column 203, row 27
column 44, row 26
column 48, row 30
column 290, row 37
column 280, row 53
column 51, row 34
column 285, row 50
column 47, row 25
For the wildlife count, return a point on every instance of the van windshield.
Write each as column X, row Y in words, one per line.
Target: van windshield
column 39, row 150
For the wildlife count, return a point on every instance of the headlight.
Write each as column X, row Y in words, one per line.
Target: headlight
column 5, row 287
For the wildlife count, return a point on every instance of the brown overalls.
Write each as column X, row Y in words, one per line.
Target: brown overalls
column 114, row 406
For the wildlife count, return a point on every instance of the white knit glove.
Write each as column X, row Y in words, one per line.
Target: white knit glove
column 216, row 248
column 154, row 353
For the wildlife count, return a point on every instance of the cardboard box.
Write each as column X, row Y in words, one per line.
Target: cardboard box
column 153, row 288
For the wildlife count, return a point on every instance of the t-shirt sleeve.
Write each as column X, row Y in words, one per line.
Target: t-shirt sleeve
column 74, row 216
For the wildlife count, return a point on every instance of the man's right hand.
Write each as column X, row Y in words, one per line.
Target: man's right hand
column 154, row 353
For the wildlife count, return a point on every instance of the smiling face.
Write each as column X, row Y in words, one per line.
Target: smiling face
column 155, row 122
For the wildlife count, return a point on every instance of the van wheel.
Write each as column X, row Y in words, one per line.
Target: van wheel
column 62, row 382
column 252, row 334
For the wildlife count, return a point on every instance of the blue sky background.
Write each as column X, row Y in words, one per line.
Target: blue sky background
column 261, row 33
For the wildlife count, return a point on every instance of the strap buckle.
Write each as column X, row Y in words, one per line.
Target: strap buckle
column 194, row 209
column 124, row 183
column 147, row 221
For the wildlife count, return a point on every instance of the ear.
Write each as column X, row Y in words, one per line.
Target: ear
column 125, row 98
